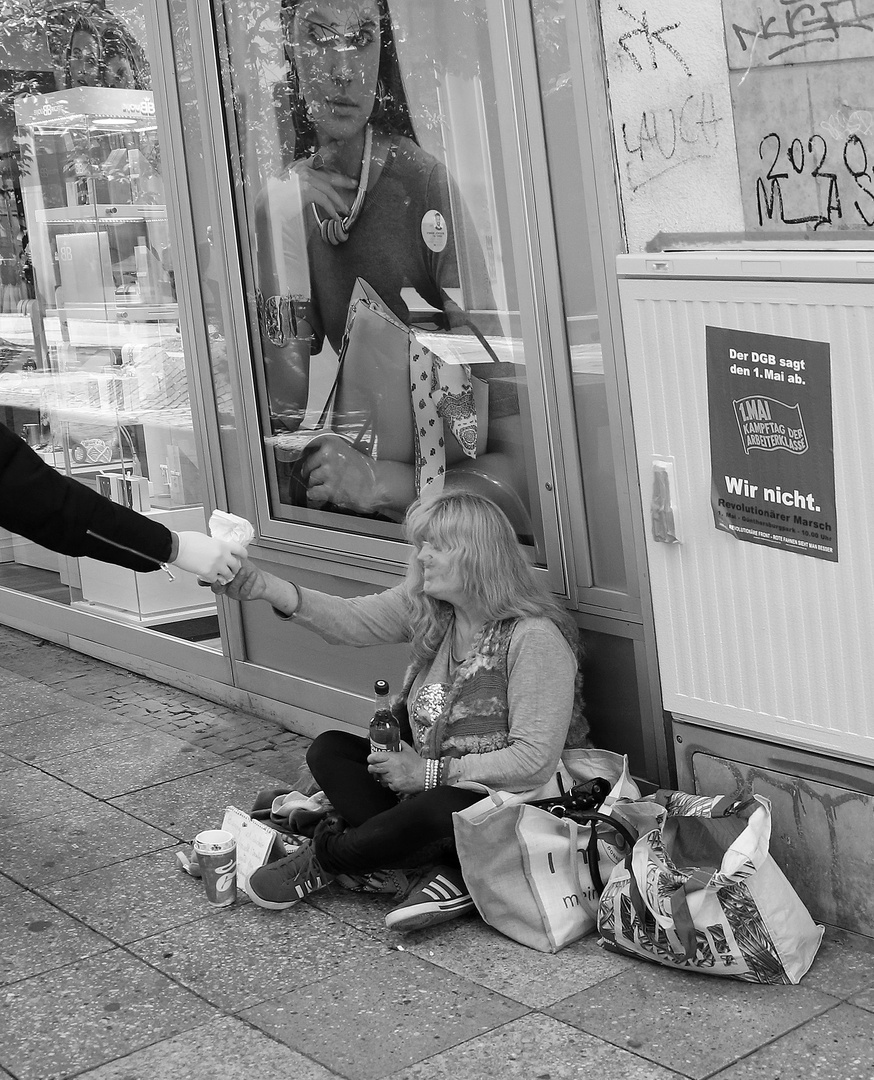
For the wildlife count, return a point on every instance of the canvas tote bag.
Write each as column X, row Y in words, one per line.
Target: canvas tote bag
column 701, row 892
column 529, row 872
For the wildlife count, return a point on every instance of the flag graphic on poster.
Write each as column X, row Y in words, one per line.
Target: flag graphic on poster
column 772, row 441
column 768, row 424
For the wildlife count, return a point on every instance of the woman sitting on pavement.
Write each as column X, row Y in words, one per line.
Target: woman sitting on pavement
column 499, row 655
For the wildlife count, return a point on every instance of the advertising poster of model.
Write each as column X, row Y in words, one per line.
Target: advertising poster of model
column 771, row 440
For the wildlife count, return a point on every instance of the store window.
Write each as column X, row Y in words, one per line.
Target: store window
column 92, row 367
column 384, row 287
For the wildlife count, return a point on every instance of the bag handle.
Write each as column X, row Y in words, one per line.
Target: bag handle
column 679, row 804
column 450, row 305
column 682, row 917
column 326, row 415
column 593, row 817
column 341, row 359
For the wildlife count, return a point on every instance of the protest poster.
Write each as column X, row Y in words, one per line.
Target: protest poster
column 771, row 440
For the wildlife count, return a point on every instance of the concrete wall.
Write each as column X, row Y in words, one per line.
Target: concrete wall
column 673, row 132
column 822, row 816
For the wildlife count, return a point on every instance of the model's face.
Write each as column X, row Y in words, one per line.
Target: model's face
column 441, row 577
column 84, row 59
column 118, row 73
column 336, row 52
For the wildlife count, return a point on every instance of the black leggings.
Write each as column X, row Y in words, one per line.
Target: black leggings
column 383, row 833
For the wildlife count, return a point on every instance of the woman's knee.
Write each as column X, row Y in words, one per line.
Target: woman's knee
column 330, row 746
column 431, row 812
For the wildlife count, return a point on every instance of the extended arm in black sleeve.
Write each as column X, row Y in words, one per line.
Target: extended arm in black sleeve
column 58, row 512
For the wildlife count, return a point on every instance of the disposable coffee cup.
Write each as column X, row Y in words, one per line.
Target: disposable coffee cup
column 217, row 854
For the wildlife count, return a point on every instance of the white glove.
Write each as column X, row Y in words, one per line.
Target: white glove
column 208, row 558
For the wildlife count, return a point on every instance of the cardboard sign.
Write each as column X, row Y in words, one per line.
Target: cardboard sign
column 255, row 841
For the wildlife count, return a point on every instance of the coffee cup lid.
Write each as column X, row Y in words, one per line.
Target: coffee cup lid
column 214, row 841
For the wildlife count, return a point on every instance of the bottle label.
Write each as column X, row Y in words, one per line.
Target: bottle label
column 391, row 743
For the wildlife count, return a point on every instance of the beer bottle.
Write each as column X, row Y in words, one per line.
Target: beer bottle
column 385, row 732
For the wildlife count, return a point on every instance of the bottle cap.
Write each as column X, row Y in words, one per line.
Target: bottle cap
column 380, row 687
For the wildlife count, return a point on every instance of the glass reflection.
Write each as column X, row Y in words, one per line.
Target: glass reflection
column 389, row 365
column 92, row 367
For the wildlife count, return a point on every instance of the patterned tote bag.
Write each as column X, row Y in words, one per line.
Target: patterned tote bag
column 700, row 891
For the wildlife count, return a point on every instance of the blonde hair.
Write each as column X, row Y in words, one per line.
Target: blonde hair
column 490, row 561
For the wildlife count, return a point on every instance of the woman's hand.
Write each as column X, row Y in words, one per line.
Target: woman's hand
column 332, row 192
column 250, row 583
column 254, row 584
column 402, row 771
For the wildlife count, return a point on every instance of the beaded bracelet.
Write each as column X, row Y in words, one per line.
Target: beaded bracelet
column 435, row 770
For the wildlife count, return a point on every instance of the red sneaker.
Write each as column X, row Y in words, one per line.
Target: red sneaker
column 282, row 883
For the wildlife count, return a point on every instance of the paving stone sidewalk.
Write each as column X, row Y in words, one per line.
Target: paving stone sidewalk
column 114, row 967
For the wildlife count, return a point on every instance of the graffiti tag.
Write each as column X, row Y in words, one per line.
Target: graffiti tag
column 803, row 25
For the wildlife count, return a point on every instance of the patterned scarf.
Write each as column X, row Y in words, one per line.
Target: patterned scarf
column 474, row 717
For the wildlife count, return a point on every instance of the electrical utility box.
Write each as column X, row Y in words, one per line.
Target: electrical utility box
column 752, row 389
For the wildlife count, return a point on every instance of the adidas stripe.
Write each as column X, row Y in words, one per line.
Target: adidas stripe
column 441, row 889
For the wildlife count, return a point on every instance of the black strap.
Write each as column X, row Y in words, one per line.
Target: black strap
column 450, row 305
column 584, row 795
column 593, row 817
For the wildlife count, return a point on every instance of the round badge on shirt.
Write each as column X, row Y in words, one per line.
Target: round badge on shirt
column 434, row 230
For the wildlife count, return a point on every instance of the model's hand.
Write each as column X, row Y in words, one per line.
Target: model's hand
column 208, row 558
column 402, row 771
column 332, row 192
column 250, row 583
column 337, row 473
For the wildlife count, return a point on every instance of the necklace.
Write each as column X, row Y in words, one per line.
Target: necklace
column 456, row 660
column 454, row 642
column 337, row 232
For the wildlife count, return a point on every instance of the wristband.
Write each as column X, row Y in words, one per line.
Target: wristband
column 287, row 617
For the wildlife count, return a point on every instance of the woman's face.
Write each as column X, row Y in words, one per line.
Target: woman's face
column 119, row 74
column 336, row 53
column 84, row 59
column 441, row 579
